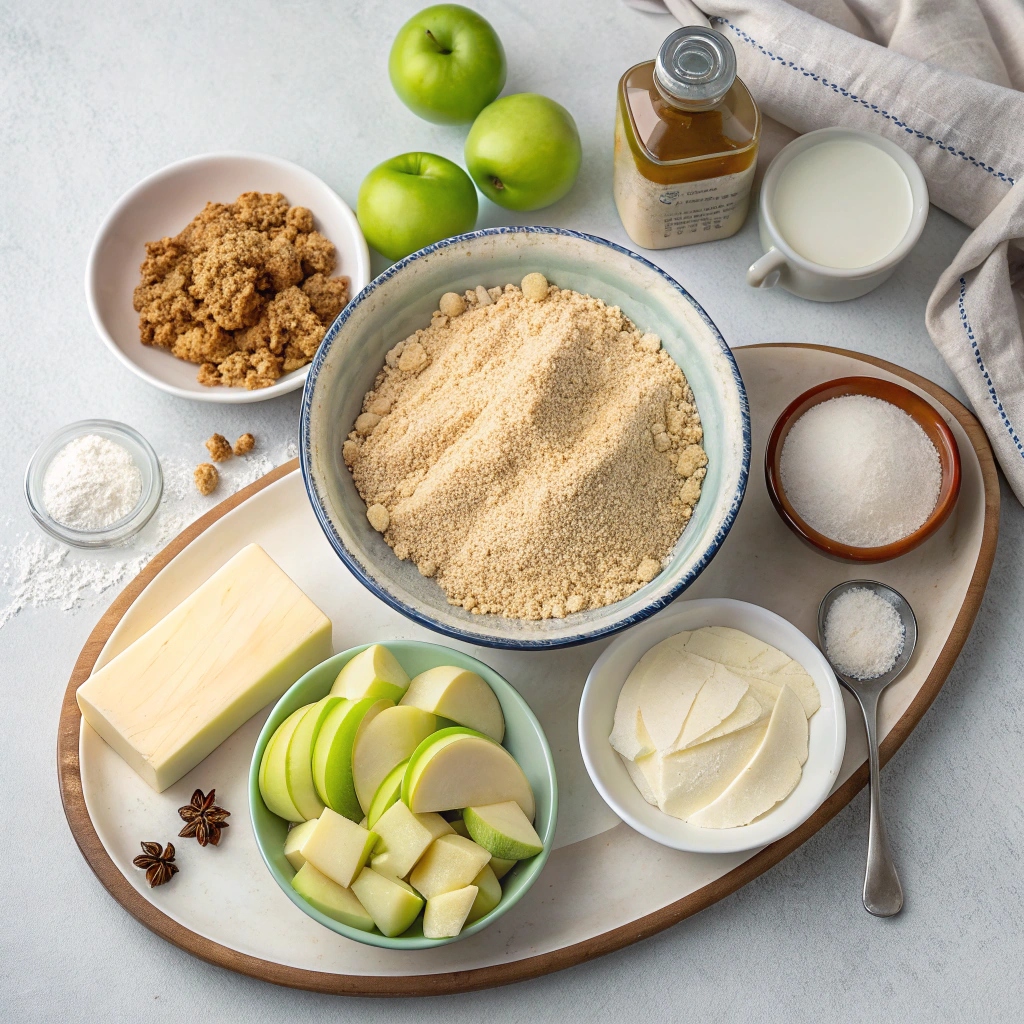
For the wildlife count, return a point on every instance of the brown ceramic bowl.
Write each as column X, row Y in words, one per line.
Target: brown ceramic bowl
column 919, row 410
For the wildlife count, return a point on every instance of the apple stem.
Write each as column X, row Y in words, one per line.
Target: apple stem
column 498, row 183
column 433, row 39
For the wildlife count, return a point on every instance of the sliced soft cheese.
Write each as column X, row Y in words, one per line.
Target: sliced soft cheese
column 752, row 659
column 717, row 700
column 629, row 736
column 693, row 778
column 639, row 780
column 183, row 687
column 749, row 711
column 770, row 776
column 669, row 689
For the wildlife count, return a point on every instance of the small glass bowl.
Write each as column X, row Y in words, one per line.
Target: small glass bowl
column 142, row 455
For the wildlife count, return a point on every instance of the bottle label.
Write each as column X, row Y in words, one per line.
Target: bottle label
column 658, row 216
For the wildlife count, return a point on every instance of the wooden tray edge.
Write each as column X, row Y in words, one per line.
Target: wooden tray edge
column 117, row 885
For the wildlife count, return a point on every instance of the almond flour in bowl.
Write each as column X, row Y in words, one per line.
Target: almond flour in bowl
column 534, row 457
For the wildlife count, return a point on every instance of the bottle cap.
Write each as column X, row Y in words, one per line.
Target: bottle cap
column 695, row 67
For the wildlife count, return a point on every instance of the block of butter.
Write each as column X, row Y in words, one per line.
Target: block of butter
column 207, row 667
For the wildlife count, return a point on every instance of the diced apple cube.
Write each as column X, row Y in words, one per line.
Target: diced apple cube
column 294, row 840
column 450, row 863
column 446, row 914
column 503, row 830
column 338, row 847
column 391, row 903
column 331, row 899
column 404, row 838
column 488, row 896
column 502, row 867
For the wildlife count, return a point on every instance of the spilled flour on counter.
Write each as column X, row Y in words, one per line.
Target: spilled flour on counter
column 36, row 572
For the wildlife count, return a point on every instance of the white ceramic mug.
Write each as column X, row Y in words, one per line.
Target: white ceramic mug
column 782, row 265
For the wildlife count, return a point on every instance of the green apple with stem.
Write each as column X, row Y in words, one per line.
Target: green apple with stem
column 524, row 151
column 447, row 63
column 414, row 200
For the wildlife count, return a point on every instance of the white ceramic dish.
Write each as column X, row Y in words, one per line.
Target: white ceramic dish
column 163, row 204
column 402, row 299
column 827, row 741
column 783, row 266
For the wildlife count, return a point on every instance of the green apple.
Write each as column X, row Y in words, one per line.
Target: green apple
column 330, row 898
column 414, row 200
column 459, row 695
column 404, row 838
column 488, row 894
column 447, row 64
column 392, row 903
column 503, row 830
column 298, row 767
column 445, row 915
column 332, row 753
column 385, row 742
column 294, row 841
column 502, row 867
column 374, row 672
column 388, row 792
column 462, row 768
column 273, row 775
column 524, row 152
column 338, row 847
column 450, row 863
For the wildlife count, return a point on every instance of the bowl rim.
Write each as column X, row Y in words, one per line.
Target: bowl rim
column 920, row 410
column 224, row 396
column 737, row 839
column 502, row 642
column 536, row 863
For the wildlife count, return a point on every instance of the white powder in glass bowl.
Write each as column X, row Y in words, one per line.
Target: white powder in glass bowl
column 860, row 471
column 91, row 483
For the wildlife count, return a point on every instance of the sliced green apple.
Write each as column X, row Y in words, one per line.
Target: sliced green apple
column 404, row 838
column 332, row 753
column 384, row 742
column 450, row 863
column 445, row 915
column 392, row 903
column 488, row 893
column 388, row 792
column 503, row 830
column 273, row 777
column 462, row 768
column 374, row 672
column 330, row 898
column 298, row 768
column 459, row 695
column 294, row 840
column 502, row 867
column 338, row 847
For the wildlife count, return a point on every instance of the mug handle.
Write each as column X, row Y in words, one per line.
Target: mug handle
column 765, row 272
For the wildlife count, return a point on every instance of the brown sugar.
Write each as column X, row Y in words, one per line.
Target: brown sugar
column 219, row 448
column 535, row 456
column 245, row 444
column 244, row 291
column 206, row 478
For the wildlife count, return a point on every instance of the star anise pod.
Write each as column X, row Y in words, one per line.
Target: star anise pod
column 203, row 818
column 159, row 865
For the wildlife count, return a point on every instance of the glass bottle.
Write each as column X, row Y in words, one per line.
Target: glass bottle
column 686, row 136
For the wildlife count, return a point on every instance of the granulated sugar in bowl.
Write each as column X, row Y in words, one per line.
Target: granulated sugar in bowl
column 860, row 471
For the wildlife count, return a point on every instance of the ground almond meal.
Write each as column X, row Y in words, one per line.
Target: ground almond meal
column 244, row 290
column 536, row 458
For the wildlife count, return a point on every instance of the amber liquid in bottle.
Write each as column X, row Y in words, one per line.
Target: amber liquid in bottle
column 682, row 176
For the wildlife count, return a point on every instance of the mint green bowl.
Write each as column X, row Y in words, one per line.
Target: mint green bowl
column 524, row 740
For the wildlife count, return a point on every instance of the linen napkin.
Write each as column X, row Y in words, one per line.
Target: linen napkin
column 942, row 79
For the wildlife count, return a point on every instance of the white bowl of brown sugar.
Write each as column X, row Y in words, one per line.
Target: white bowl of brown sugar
column 525, row 437
column 216, row 278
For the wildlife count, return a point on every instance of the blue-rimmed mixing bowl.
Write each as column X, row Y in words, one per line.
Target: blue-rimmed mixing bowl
column 402, row 299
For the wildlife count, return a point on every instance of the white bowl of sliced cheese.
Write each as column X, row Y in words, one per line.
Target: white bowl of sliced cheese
column 740, row 708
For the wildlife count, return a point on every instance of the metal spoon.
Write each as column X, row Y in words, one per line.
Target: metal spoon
column 883, row 894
